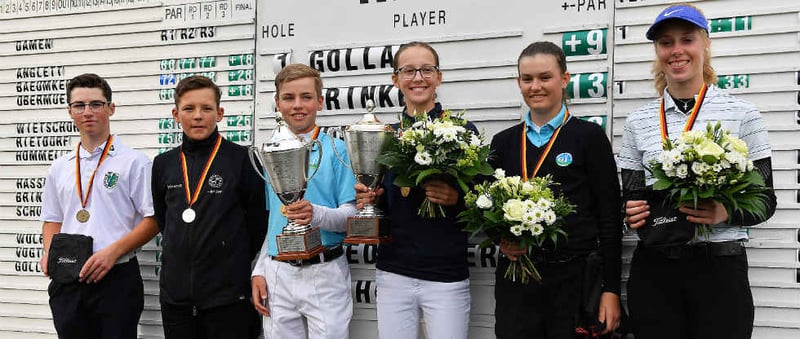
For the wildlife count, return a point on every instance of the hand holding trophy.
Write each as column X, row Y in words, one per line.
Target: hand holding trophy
column 285, row 159
column 365, row 140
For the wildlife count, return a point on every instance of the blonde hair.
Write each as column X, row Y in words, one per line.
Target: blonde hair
column 297, row 71
column 709, row 75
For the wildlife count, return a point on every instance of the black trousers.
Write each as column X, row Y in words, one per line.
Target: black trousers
column 108, row 309
column 549, row 310
column 700, row 296
column 233, row 321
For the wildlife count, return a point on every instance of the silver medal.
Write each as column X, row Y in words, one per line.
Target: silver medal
column 188, row 215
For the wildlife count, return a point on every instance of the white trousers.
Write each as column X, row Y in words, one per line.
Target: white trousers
column 308, row 302
column 445, row 307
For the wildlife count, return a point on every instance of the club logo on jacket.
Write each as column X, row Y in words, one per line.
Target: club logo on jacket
column 215, row 181
column 564, row 159
column 110, row 180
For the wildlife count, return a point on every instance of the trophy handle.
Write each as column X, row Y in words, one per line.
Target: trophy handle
column 337, row 130
column 252, row 152
column 319, row 159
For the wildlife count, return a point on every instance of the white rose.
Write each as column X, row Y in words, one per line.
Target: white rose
column 682, row 171
column 736, row 144
column 484, row 201
column 423, row 158
column 709, row 151
column 691, row 137
column 513, row 210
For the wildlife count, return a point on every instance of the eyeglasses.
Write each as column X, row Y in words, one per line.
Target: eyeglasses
column 408, row 73
column 79, row 107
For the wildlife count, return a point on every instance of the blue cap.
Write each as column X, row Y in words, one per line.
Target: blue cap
column 680, row 12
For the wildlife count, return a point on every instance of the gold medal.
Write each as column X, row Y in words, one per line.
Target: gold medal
column 82, row 215
column 405, row 191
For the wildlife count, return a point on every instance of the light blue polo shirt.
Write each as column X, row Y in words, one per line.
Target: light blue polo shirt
column 331, row 187
column 539, row 136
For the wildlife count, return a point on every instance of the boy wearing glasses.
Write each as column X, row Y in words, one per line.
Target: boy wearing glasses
column 209, row 203
column 99, row 190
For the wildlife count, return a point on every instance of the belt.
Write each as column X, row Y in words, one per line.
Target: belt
column 704, row 249
column 126, row 257
column 329, row 254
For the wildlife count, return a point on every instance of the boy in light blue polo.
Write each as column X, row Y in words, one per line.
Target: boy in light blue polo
column 309, row 298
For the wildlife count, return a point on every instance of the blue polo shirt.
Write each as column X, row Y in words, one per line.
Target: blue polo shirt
column 539, row 136
column 331, row 187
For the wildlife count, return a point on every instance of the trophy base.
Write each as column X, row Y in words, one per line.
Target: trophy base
column 299, row 246
column 367, row 230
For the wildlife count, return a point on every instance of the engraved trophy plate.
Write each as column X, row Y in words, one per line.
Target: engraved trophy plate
column 286, row 160
column 365, row 141
column 299, row 246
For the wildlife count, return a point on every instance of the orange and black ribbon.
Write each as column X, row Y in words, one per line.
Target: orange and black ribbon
column 692, row 117
column 544, row 152
column 191, row 198
column 78, row 184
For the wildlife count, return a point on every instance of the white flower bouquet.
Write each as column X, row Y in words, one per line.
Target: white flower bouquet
column 526, row 212
column 710, row 164
column 442, row 147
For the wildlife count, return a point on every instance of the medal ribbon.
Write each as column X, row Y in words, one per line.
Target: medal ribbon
column 191, row 198
column 692, row 117
column 78, row 184
column 544, row 152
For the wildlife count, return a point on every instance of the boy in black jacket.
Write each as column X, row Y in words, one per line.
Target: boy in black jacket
column 210, row 208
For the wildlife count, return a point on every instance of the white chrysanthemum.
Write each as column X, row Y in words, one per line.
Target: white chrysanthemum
column 516, row 230
column 499, row 173
column 537, row 229
column 544, row 203
column 528, row 204
column 529, row 218
column 550, row 217
column 484, row 201
column 423, row 158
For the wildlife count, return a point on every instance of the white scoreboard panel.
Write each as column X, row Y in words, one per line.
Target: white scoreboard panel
column 143, row 47
column 756, row 53
column 352, row 43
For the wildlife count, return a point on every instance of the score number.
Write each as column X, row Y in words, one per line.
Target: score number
column 733, row 81
column 579, row 43
column 587, row 86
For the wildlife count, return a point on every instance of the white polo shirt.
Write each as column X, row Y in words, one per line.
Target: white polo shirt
column 120, row 196
column 641, row 139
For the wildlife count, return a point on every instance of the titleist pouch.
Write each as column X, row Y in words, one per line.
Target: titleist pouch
column 68, row 253
column 665, row 226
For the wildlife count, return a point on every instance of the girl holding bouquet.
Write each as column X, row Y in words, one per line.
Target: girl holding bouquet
column 424, row 267
column 689, row 287
column 578, row 156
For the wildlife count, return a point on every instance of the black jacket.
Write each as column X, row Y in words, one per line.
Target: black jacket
column 207, row 263
column 589, row 181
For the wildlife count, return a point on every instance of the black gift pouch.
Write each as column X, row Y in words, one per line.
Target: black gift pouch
column 665, row 226
column 68, row 253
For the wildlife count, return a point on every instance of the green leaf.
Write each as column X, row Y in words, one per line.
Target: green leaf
column 426, row 173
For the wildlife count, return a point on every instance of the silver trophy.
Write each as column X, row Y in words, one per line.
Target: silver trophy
column 365, row 141
column 285, row 158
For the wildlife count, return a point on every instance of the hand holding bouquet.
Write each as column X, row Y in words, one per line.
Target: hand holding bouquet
column 710, row 164
column 434, row 148
column 525, row 212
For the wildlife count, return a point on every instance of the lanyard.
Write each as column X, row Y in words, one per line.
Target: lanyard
column 191, row 198
column 79, row 187
column 544, row 152
column 692, row 117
